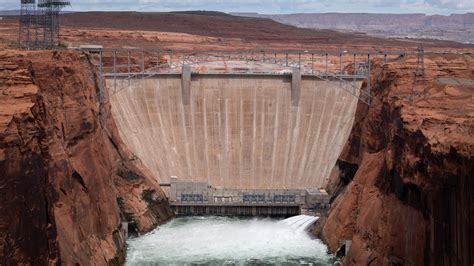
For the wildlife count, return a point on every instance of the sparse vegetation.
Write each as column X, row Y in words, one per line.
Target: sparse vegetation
column 126, row 216
column 147, row 195
column 63, row 45
column 119, row 259
column 127, row 174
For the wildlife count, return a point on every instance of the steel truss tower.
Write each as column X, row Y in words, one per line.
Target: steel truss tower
column 420, row 78
column 39, row 23
column 28, row 34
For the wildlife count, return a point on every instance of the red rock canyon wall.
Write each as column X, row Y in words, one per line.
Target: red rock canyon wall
column 66, row 180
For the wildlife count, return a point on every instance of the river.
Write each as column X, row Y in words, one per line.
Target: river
column 226, row 241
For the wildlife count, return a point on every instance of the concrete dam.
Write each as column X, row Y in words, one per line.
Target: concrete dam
column 240, row 131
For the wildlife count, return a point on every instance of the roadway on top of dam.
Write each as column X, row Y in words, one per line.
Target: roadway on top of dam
column 330, row 64
column 148, row 63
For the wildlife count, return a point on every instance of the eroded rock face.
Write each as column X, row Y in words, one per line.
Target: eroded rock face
column 63, row 192
column 410, row 200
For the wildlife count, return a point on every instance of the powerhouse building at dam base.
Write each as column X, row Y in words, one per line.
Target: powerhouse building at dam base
column 199, row 198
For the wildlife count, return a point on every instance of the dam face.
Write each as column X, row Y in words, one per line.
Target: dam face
column 236, row 131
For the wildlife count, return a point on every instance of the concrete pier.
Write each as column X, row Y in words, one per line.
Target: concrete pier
column 186, row 84
column 295, row 86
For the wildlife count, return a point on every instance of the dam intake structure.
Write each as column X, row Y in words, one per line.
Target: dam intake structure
column 271, row 120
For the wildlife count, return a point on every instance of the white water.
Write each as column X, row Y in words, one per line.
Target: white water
column 300, row 223
column 228, row 241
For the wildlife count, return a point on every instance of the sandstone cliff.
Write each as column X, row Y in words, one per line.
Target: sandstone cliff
column 67, row 181
column 409, row 169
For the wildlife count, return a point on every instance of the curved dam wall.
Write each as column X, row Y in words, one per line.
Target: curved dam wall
column 235, row 131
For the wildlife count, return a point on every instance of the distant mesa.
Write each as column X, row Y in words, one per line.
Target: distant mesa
column 6, row 13
column 202, row 13
column 455, row 27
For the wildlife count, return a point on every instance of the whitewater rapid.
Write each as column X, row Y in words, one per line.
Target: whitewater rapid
column 227, row 241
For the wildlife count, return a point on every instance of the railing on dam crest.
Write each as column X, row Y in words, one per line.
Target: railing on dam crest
column 344, row 67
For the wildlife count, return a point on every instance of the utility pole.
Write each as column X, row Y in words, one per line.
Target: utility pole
column 419, row 79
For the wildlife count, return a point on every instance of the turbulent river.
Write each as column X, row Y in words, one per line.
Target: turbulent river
column 226, row 241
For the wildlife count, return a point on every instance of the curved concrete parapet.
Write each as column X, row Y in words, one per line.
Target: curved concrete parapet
column 237, row 131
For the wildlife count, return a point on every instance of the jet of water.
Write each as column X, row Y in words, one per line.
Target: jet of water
column 221, row 240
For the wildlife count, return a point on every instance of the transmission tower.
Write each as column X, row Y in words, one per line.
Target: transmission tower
column 28, row 34
column 420, row 79
column 39, row 23
column 49, row 12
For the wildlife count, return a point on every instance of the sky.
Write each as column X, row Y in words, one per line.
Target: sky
column 442, row 7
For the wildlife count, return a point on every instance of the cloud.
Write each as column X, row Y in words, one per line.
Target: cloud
column 274, row 6
column 458, row 4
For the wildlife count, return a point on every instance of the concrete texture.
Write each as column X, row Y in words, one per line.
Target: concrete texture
column 295, row 86
column 238, row 131
column 186, row 84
